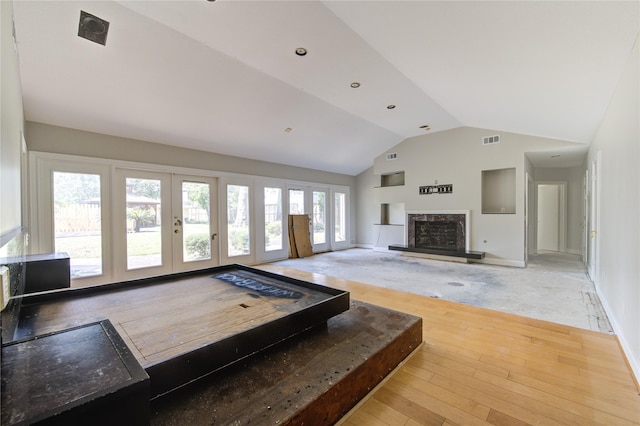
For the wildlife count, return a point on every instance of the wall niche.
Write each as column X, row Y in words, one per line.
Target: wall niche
column 499, row 191
column 392, row 214
column 392, row 179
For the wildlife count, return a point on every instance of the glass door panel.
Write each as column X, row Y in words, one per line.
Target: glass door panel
column 194, row 222
column 144, row 223
column 238, row 230
column 142, row 226
column 340, row 217
column 196, row 239
column 319, row 218
column 77, row 221
column 273, row 237
column 296, row 201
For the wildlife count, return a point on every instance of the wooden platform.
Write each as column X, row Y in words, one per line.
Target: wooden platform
column 311, row 379
column 481, row 367
column 78, row 376
column 180, row 327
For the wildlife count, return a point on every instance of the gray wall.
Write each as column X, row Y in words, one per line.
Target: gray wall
column 62, row 140
column 455, row 157
column 12, row 125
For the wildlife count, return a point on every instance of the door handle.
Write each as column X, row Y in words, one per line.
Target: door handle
column 213, row 236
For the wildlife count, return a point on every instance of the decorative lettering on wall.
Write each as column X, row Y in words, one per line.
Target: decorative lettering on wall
column 436, row 189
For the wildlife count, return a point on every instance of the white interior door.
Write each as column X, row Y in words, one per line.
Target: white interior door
column 594, row 213
column 195, row 223
column 585, row 217
column 548, row 217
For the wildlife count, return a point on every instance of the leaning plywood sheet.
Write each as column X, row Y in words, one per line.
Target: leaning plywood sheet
column 299, row 230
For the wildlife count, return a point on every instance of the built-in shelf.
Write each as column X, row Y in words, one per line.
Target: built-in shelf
column 499, row 191
column 392, row 214
column 392, row 179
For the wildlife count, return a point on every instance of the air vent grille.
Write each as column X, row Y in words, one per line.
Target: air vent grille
column 490, row 140
column 392, row 156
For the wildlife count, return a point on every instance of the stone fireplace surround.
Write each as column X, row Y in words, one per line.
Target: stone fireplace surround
column 438, row 229
column 452, row 233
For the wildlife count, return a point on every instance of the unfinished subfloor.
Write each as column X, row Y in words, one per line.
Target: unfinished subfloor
column 554, row 287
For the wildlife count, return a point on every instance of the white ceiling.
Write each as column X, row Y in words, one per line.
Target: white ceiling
column 223, row 77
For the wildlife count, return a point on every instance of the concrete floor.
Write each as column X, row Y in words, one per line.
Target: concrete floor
column 554, row 287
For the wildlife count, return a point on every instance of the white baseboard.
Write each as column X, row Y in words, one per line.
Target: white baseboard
column 365, row 246
column 383, row 249
column 626, row 348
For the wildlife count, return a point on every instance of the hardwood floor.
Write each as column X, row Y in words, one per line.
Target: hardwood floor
column 479, row 367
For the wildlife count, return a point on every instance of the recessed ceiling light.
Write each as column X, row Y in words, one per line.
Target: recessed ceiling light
column 355, row 85
column 301, row 51
column 391, row 106
column 288, row 130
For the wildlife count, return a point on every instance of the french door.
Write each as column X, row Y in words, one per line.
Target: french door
column 315, row 202
column 164, row 223
column 195, row 223
column 271, row 218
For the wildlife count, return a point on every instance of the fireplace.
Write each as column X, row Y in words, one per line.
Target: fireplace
column 445, row 230
column 438, row 234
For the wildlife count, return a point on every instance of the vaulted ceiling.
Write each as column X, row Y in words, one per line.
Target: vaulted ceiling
column 224, row 77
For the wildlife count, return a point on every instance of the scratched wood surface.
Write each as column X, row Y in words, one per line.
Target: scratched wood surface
column 167, row 319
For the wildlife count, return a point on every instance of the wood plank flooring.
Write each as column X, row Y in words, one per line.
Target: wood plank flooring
column 165, row 320
column 480, row 367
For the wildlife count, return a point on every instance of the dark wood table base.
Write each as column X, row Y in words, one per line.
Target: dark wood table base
column 313, row 378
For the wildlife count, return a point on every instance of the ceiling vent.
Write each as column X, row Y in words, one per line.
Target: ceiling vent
column 490, row 140
column 392, row 156
column 93, row 28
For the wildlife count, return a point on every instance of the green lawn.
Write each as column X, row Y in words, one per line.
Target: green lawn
column 141, row 243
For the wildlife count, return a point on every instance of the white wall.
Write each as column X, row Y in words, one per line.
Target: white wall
column 12, row 125
column 618, row 275
column 548, row 217
column 455, row 157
